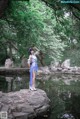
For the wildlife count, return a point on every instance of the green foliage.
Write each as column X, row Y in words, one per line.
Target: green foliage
column 25, row 24
column 49, row 42
column 30, row 23
column 73, row 55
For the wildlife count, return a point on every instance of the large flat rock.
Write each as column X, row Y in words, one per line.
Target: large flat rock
column 24, row 104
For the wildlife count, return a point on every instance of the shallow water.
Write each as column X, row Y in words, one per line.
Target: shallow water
column 63, row 91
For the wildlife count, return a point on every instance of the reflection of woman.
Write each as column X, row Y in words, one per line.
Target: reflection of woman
column 32, row 62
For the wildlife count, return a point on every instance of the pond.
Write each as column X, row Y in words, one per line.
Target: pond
column 63, row 91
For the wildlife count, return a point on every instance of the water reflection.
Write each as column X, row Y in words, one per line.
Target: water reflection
column 63, row 91
column 3, row 84
column 9, row 81
column 13, row 83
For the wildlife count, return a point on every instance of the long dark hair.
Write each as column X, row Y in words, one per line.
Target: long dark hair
column 29, row 51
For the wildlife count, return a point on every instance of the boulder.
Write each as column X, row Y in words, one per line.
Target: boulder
column 55, row 64
column 44, row 70
column 24, row 103
column 24, row 62
column 66, row 64
column 8, row 63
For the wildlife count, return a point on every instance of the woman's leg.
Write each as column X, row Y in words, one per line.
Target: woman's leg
column 30, row 82
column 33, row 79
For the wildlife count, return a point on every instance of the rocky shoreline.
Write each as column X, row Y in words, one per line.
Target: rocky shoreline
column 24, row 104
column 46, row 70
column 56, row 70
column 54, row 67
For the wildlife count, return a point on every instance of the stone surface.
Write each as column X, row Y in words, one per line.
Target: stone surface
column 24, row 62
column 66, row 64
column 54, row 64
column 8, row 63
column 45, row 70
column 24, row 104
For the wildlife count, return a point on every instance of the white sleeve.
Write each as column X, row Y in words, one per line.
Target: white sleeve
column 29, row 60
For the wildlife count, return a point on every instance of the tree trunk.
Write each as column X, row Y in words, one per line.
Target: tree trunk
column 3, row 5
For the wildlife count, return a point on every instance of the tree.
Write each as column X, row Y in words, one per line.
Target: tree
column 28, row 23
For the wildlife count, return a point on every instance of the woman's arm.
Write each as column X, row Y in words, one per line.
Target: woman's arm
column 29, row 61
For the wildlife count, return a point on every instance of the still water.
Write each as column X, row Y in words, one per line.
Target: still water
column 63, row 91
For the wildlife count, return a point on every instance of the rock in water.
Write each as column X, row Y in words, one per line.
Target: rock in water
column 24, row 104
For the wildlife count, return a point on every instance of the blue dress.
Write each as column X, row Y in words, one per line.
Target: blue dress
column 33, row 67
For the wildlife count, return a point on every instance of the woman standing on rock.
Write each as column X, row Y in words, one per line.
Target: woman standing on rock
column 32, row 63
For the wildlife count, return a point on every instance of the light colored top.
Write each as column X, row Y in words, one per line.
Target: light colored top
column 32, row 59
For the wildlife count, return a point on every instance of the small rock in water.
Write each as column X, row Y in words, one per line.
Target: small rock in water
column 67, row 116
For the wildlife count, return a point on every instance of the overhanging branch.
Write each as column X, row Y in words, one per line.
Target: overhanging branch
column 76, row 6
column 76, row 16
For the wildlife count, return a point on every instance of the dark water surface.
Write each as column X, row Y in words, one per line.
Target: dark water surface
column 63, row 91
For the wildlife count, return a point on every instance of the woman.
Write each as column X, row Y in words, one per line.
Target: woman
column 32, row 62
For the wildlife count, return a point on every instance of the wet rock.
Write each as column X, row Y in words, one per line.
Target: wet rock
column 24, row 103
column 67, row 116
